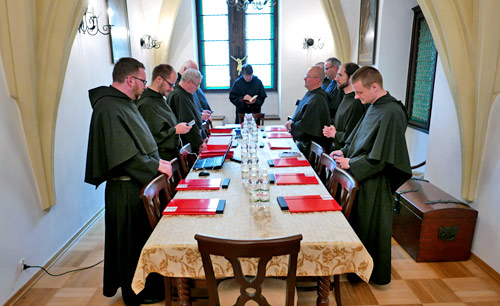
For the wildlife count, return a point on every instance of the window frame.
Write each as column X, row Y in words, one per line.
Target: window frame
column 236, row 21
column 412, row 68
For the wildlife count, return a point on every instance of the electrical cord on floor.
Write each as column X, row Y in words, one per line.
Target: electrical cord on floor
column 76, row 270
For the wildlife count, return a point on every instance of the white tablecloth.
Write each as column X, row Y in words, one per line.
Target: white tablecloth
column 329, row 244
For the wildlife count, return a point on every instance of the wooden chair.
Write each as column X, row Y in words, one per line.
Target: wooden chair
column 341, row 185
column 207, row 125
column 241, row 289
column 315, row 156
column 418, row 174
column 187, row 159
column 418, row 165
column 155, row 196
column 176, row 176
column 258, row 117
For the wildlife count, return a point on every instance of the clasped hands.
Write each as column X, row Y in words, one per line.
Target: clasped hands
column 329, row 131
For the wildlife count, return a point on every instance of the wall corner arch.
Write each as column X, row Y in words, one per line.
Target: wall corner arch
column 35, row 44
column 468, row 42
column 338, row 26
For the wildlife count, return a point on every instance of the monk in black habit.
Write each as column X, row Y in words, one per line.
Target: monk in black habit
column 350, row 109
column 326, row 81
column 244, row 89
column 122, row 152
column 335, row 94
column 377, row 156
column 182, row 104
column 159, row 116
column 199, row 98
column 311, row 114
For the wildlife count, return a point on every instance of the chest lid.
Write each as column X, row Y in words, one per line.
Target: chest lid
column 415, row 193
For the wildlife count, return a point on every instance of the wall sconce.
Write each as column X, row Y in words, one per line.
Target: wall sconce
column 90, row 25
column 147, row 42
column 313, row 43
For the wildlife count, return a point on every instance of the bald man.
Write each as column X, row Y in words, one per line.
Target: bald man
column 312, row 113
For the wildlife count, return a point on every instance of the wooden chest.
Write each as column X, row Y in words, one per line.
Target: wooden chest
column 432, row 232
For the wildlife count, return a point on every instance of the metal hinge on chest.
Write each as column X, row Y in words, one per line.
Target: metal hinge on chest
column 397, row 199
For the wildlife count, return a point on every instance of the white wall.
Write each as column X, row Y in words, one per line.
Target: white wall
column 351, row 13
column 299, row 19
column 25, row 230
column 183, row 45
column 143, row 16
column 28, row 232
column 486, row 244
column 21, row 212
column 393, row 52
column 444, row 160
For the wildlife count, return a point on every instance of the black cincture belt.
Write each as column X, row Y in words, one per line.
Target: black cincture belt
column 121, row 178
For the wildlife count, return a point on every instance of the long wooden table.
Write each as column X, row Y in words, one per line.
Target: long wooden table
column 329, row 246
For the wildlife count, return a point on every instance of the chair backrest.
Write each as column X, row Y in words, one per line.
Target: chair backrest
column 207, row 125
column 418, row 165
column 326, row 167
column 176, row 176
column 155, row 195
column 186, row 158
column 418, row 173
column 263, row 249
column 315, row 156
column 258, row 117
column 341, row 185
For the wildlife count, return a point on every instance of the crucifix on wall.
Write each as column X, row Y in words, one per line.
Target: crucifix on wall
column 240, row 62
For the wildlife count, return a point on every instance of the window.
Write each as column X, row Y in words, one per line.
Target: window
column 224, row 32
column 421, row 73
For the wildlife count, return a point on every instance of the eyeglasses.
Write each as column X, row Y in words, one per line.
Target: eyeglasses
column 143, row 81
column 171, row 85
column 196, row 84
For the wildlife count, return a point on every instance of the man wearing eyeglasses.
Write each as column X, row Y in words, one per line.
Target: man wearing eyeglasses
column 335, row 95
column 326, row 80
column 159, row 116
column 181, row 102
column 311, row 114
column 123, row 153
column 199, row 98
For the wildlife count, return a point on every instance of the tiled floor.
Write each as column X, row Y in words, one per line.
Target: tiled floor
column 440, row 284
